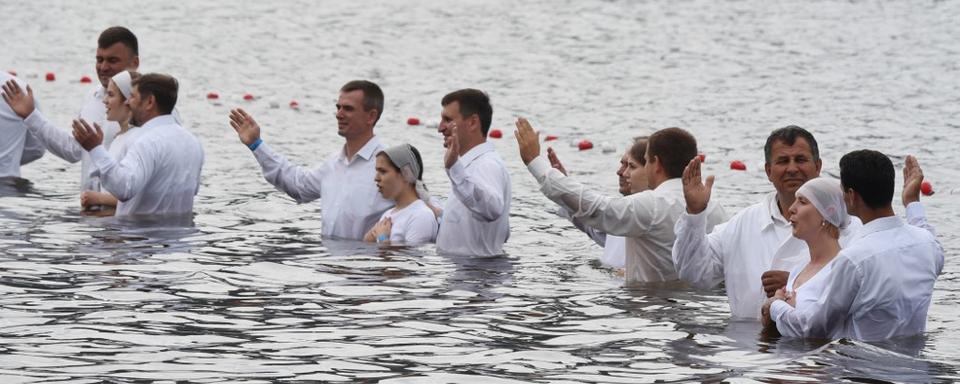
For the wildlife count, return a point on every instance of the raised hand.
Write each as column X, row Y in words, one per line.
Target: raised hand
column 89, row 138
column 555, row 161
column 528, row 140
column 695, row 192
column 246, row 127
column 912, row 178
column 20, row 102
column 453, row 148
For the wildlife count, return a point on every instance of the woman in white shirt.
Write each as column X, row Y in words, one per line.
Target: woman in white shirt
column 118, row 91
column 818, row 216
column 399, row 177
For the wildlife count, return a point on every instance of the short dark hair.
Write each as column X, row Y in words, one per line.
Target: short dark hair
column 674, row 147
column 870, row 174
column 162, row 87
column 788, row 135
column 118, row 34
column 472, row 101
column 639, row 149
column 372, row 95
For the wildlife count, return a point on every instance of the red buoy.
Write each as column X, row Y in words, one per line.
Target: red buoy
column 550, row 138
column 413, row 121
column 702, row 157
column 496, row 133
column 248, row 97
column 584, row 145
column 213, row 96
column 926, row 188
column 738, row 165
column 51, row 76
column 85, row 80
column 294, row 104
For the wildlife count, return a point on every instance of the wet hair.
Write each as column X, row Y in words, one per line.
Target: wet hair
column 118, row 34
column 870, row 174
column 372, row 95
column 416, row 155
column 639, row 149
column 162, row 87
column 674, row 147
column 472, row 102
column 788, row 135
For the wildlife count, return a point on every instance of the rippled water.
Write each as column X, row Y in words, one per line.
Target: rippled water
column 251, row 293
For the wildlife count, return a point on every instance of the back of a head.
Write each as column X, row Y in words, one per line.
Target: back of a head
column 162, row 87
column 372, row 94
column 118, row 34
column 674, row 147
column 638, row 149
column 472, row 102
column 789, row 135
column 871, row 175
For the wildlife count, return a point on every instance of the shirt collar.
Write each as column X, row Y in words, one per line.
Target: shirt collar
column 772, row 216
column 881, row 224
column 670, row 184
column 475, row 152
column 160, row 121
column 370, row 149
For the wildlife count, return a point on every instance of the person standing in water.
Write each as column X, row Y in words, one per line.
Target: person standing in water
column 400, row 179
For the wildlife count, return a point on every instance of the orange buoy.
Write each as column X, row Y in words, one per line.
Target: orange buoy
column 85, row 80
column 51, row 76
column 248, row 97
column 926, row 188
column 413, row 121
column 738, row 165
column 550, row 138
column 702, row 157
column 213, row 96
column 585, row 144
column 294, row 104
column 496, row 133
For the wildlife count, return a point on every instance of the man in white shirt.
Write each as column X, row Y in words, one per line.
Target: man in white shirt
column 881, row 284
column 646, row 219
column 117, row 51
column 18, row 146
column 476, row 217
column 752, row 252
column 351, row 204
column 160, row 173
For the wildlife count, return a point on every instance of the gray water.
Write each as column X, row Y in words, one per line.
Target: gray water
column 250, row 292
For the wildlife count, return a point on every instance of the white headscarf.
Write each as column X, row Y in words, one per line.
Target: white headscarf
column 124, row 83
column 826, row 195
column 402, row 156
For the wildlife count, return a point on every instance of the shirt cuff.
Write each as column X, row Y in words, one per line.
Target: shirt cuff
column 457, row 172
column 100, row 156
column 35, row 119
column 779, row 308
column 915, row 209
column 539, row 167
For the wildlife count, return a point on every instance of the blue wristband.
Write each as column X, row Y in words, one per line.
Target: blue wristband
column 383, row 237
column 253, row 146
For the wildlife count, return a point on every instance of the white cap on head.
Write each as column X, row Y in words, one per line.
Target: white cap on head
column 124, row 82
column 826, row 195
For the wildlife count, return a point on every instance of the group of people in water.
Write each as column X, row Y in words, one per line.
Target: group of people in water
column 818, row 257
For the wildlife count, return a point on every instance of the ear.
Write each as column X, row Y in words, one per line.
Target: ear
column 474, row 122
column 819, row 163
column 766, row 168
column 134, row 64
column 372, row 115
column 151, row 103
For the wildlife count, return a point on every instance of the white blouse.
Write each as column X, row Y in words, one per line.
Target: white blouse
column 414, row 224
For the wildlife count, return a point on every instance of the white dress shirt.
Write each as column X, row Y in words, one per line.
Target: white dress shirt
column 61, row 143
column 414, row 224
column 738, row 252
column 614, row 247
column 880, row 286
column 18, row 146
column 350, row 202
column 476, row 218
column 158, row 175
column 646, row 219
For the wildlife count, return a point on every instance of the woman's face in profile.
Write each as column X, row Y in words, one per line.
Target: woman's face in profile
column 389, row 182
column 805, row 218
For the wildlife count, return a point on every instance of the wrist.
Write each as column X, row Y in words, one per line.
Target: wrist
column 256, row 143
column 382, row 237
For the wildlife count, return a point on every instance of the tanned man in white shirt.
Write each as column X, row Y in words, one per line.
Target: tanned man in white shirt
column 344, row 183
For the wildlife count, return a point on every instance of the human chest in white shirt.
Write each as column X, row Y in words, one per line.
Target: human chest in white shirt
column 413, row 224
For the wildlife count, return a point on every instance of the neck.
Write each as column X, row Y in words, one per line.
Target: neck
column 467, row 146
column 868, row 215
column 658, row 179
column 355, row 144
column 407, row 197
column 784, row 201
column 823, row 249
column 124, row 126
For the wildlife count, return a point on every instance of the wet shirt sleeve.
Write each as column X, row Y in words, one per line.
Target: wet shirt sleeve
column 126, row 178
column 697, row 256
column 60, row 142
column 301, row 184
column 480, row 188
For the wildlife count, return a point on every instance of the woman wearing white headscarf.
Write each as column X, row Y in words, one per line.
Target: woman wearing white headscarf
column 819, row 217
column 399, row 177
column 118, row 91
